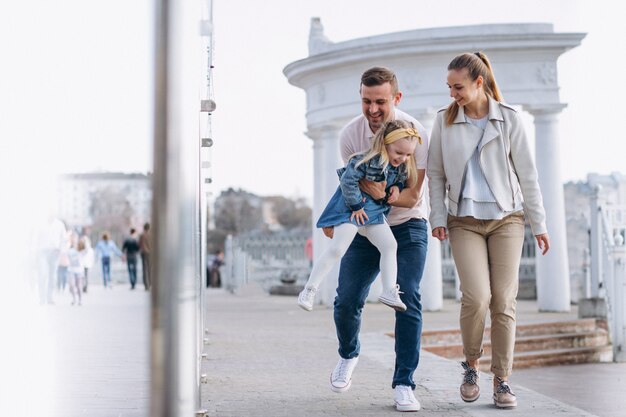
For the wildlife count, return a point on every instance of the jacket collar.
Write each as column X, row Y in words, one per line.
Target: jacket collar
column 494, row 112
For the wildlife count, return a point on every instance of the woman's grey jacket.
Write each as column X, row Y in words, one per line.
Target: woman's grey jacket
column 505, row 159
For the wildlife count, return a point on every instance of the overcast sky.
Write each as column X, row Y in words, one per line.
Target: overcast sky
column 76, row 92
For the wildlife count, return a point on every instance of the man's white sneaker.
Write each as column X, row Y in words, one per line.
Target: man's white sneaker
column 341, row 378
column 306, row 298
column 405, row 400
column 391, row 298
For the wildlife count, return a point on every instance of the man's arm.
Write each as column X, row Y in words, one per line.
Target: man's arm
column 410, row 196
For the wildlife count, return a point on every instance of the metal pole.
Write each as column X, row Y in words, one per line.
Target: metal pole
column 204, row 143
column 173, row 380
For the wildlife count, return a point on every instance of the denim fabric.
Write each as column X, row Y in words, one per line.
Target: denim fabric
column 106, row 270
column 131, row 262
column 358, row 269
column 350, row 175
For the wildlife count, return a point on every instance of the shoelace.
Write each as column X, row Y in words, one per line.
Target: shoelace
column 342, row 373
column 397, row 290
column 405, row 393
column 503, row 387
column 470, row 375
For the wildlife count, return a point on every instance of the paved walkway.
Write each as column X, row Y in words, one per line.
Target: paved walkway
column 268, row 358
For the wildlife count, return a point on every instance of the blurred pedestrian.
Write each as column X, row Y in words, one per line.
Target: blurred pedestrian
column 53, row 237
column 89, row 259
column 144, row 250
column 215, row 279
column 308, row 250
column 130, row 249
column 76, row 271
column 105, row 249
column 64, row 263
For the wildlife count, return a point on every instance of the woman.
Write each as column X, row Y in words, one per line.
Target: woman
column 105, row 249
column 480, row 159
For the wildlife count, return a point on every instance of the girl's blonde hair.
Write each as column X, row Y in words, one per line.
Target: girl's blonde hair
column 81, row 244
column 378, row 147
column 476, row 64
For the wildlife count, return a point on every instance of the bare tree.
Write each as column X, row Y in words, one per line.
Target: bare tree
column 111, row 212
column 291, row 214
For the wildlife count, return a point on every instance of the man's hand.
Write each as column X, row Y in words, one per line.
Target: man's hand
column 360, row 216
column 394, row 193
column 375, row 189
column 329, row 232
column 440, row 233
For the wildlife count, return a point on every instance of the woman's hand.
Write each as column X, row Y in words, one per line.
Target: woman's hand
column 360, row 216
column 440, row 233
column 543, row 241
column 394, row 193
column 375, row 189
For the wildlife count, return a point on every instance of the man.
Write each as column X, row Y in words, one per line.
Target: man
column 130, row 249
column 144, row 249
column 52, row 240
column 360, row 265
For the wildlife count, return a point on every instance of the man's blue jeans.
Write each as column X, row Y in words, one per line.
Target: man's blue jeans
column 359, row 267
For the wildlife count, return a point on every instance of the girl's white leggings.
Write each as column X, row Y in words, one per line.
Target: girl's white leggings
column 379, row 235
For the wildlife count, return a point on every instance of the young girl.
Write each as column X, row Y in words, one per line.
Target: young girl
column 350, row 211
column 76, row 255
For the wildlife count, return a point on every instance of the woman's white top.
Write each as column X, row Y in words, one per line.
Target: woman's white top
column 477, row 199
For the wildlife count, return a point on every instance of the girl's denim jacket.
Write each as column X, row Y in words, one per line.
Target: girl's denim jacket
column 350, row 175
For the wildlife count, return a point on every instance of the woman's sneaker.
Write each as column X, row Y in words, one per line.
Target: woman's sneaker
column 392, row 299
column 502, row 396
column 470, row 391
column 306, row 298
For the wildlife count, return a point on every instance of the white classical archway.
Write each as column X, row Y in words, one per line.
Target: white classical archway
column 524, row 57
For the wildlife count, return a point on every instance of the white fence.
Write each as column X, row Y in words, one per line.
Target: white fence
column 608, row 267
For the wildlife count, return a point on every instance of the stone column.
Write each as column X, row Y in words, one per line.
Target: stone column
column 326, row 159
column 431, row 287
column 553, row 288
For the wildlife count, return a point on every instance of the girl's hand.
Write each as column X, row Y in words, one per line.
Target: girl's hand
column 360, row 216
column 329, row 232
column 394, row 193
column 544, row 242
column 440, row 233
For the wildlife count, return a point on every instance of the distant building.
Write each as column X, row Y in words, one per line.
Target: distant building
column 76, row 194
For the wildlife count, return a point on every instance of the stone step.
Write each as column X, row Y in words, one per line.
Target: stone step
column 595, row 338
column 556, row 357
column 537, row 344
column 453, row 335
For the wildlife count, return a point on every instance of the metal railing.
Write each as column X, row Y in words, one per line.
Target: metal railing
column 266, row 259
column 608, row 267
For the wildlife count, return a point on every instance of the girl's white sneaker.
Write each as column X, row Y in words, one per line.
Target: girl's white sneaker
column 391, row 298
column 306, row 298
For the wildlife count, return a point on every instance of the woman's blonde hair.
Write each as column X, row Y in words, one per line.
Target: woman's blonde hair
column 476, row 64
column 378, row 147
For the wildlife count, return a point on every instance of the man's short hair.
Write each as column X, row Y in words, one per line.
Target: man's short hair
column 379, row 76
